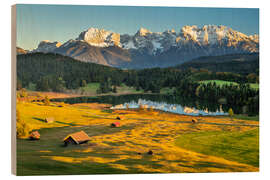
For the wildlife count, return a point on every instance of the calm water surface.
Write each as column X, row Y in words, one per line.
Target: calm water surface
column 168, row 103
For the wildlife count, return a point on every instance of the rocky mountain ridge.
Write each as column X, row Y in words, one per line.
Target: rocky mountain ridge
column 153, row 49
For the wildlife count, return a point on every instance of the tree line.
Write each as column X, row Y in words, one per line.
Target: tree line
column 243, row 98
column 53, row 72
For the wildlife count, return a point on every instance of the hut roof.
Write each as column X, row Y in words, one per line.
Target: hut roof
column 78, row 137
column 34, row 135
column 116, row 124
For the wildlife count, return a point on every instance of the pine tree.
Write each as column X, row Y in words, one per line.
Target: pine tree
column 22, row 129
column 46, row 101
column 114, row 90
column 84, row 83
column 138, row 88
column 23, row 92
column 19, row 84
column 43, row 84
column 231, row 112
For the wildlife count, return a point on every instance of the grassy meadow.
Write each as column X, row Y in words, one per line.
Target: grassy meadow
column 91, row 90
column 213, row 144
column 241, row 147
column 221, row 83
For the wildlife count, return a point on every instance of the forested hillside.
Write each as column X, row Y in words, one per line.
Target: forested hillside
column 236, row 63
column 55, row 72
column 52, row 72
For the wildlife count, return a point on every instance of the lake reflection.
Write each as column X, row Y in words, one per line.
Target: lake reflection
column 168, row 103
column 163, row 106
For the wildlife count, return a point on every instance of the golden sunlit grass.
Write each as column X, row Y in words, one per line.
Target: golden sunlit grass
column 124, row 148
column 45, row 151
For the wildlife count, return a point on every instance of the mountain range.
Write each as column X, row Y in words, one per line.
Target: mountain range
column 21, row 51
column 146, row 49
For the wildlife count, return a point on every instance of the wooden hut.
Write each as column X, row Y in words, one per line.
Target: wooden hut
column 115, row 124
column 77, row 138
column 34, row 135
column 194, row 120
column 120, row 117
column 49, row 120
column 150, row 152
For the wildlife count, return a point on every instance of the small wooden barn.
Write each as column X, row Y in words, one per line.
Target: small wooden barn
column 49, row 120
column 120, row 118
column 34, row 135
column 194, row 120
column 77, row 138
column 115, row 124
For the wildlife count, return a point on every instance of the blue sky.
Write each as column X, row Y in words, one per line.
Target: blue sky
column 63, row 22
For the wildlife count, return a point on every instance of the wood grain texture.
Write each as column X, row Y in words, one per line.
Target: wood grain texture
column 13, row 90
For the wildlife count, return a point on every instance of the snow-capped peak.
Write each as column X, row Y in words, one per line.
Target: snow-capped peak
column 189, row 37
column 49, row 43
column 170, row 31
column 47, row 46
column 211, row 34
column 143, row 32
column 100, row 37
column 254, row 37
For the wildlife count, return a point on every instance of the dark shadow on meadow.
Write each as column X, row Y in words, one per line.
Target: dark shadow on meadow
column 43, row 120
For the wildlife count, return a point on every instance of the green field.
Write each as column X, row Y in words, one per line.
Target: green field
column 221, row 83
column 254, row 85
column 244, row 117
column 124, row 149
column 236, row 146
column 91, row 89
column 167, row 90
column 126, row 89
column 51, row 144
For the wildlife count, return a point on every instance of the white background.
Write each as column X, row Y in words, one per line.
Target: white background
column 5, row 85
